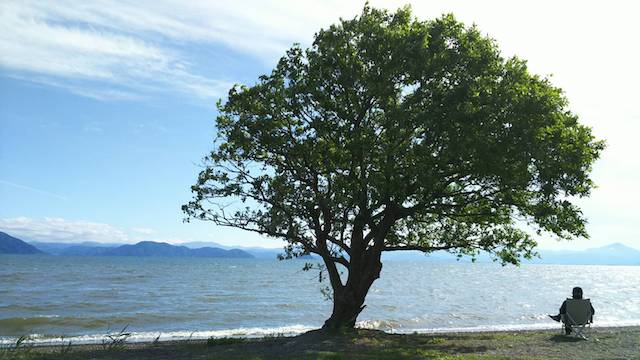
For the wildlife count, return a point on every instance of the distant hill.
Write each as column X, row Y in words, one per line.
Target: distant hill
column 12, row 245
column 144, row 248
column 257, row 252
column 151, row 248
column 201, row 244
column 86, row 248
column 614, row 254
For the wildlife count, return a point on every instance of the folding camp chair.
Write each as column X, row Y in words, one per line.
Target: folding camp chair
column 578, row 317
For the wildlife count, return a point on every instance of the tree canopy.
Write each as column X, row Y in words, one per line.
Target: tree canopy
column 390, row 133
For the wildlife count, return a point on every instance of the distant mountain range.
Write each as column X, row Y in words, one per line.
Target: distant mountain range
column 11, row 245
column 150, row 248
column 144, row 248
column 257, row 252
column 86, row 248
column 615, row 254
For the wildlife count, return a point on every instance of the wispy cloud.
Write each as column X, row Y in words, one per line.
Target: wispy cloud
column 261, row 28
column 145, row 47
column 89, row 51
column 94, row 90
column 32, row 189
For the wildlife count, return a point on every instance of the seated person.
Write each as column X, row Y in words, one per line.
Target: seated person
column 577, row 294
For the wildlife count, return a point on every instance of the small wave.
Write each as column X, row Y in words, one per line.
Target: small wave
column 23, row 324
column 288, row 306
column 22, row 307
column 385, row 325
column 534, row 317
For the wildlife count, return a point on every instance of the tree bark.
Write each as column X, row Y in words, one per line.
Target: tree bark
column 346, row 308
column 348, row 300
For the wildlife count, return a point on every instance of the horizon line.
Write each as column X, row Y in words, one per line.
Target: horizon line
column 234, row 246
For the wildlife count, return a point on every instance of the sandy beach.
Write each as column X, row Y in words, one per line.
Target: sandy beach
column 604, row 343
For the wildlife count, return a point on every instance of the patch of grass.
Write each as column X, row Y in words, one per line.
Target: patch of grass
column 21, row 350
column 397, row 353
column 64, row 349
column 116, row 341
column 367, row 341
column 436, row 341
column 225, row 341
column 273, row 336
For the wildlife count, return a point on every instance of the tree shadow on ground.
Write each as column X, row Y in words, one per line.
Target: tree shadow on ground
column 565, row 338
column 462, row 349
column 379, row 342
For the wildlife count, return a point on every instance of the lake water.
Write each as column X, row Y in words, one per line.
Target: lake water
column 82, row 298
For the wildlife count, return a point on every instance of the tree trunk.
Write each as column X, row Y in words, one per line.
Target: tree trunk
column 348, row 300
column 346, row 307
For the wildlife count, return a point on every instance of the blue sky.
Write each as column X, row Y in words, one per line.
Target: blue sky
column 106, row 108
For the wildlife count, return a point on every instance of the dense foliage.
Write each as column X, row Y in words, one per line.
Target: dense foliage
column 389, row 134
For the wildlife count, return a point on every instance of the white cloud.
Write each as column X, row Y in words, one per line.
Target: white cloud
column 262, row 28
column 62, row 230
column 50, row 229
column 140, row 48
column 143, row 231
column 145, row 45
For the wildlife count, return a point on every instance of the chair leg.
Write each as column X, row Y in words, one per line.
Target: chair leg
column 580, row 332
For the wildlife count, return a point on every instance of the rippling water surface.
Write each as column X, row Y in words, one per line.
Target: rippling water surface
column 86, row 297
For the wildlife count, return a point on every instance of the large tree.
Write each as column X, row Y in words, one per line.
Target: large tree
column 389, row 134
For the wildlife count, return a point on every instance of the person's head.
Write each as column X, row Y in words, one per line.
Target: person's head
column 577, row 292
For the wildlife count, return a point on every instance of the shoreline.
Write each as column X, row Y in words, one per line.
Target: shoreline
column 604, row 343
column 249, row 333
